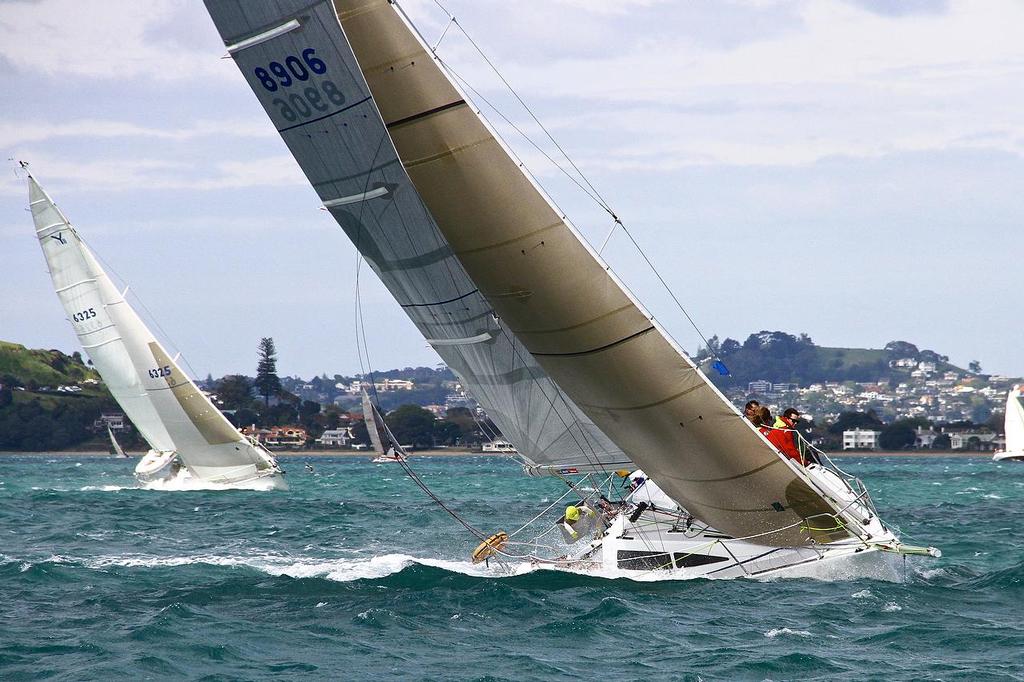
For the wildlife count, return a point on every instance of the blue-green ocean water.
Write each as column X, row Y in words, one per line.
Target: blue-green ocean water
column 353, row 574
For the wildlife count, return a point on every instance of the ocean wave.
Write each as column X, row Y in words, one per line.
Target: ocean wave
column 775, row 632
column 348, row 569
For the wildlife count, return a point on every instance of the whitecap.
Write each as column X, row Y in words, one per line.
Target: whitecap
column 775, row 632
column 863, row 594
column 929, row 573
column 103, row 488
column 320, row 604
column 991, row 496
column 891, row 607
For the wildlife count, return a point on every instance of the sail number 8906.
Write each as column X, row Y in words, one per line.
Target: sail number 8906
column 284, row 75
column 164, row 371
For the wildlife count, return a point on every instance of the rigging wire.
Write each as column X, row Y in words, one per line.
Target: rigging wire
column 590, row 190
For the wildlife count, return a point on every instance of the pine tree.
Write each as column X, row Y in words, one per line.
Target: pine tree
column 267, row 382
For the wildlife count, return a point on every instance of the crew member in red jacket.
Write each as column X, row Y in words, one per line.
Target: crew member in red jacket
column 784, row 435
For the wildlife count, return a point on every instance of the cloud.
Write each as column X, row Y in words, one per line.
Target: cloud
column 615, row 7
column 127, row 175
column 840, row 80
column 107, row 40
column 16, row 133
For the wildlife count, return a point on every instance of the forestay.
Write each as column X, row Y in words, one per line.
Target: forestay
column 560, row 301
column 165, row 406
column 303, row 72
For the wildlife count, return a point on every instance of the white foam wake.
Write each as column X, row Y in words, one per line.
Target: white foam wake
column 340, row 569
column 185, row 481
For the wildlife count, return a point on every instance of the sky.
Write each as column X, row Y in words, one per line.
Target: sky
column 852, row 169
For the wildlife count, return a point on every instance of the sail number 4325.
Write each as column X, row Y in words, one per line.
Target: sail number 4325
column 164, row 371
column 309, row 96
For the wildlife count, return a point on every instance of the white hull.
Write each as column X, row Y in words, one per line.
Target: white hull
column 642, row 540
column 658, row 543
column 1009, row 456
column 165, row 469
column 384, row 459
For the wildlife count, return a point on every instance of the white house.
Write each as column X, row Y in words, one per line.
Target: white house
column 860, row 439
column 394, row 385
column 335, row 438
column 760, row 387
column 961, row 439
column 924, row 438
column 114, row 420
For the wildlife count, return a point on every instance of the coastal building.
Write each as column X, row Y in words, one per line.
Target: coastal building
column 760, row 387
column 116, row 421
column 278, row 437
column 394, row 385
column 335, row 438
column 972, row 440
column 923, row 438
column 860, row 439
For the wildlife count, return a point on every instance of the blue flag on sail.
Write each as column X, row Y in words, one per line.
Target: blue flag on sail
column 720, row 367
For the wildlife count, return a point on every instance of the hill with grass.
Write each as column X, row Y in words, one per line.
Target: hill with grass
column 23, row 366
column 779, row 357
column 48, row 400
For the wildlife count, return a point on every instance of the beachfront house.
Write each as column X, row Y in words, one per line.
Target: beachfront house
column 860, row 439
column 335, row 438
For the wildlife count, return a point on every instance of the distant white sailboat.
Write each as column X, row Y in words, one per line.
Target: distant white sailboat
column 188, row 436
column 385, row 445
column 118, row 450
column 1014, row 427
column 565, row 361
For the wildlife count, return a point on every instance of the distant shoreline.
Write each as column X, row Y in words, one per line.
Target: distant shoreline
column 454, row 452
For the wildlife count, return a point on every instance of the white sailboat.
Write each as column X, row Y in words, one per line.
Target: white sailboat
column 188, row 436
column 569, row 366
column 1014, row 427
column 118, row 450
column 385, row 446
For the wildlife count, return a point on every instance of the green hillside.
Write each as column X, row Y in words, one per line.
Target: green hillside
column 780, row 357
column 34, row 368
column 34, row 415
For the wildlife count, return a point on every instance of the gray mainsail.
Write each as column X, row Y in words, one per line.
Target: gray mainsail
column 524, row 275
column 299, row 64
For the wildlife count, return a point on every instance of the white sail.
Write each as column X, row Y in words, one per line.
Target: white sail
column 167, row 408
column 118, row 450
column 371, row 426
column 385, row 445
column 1014, row 424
